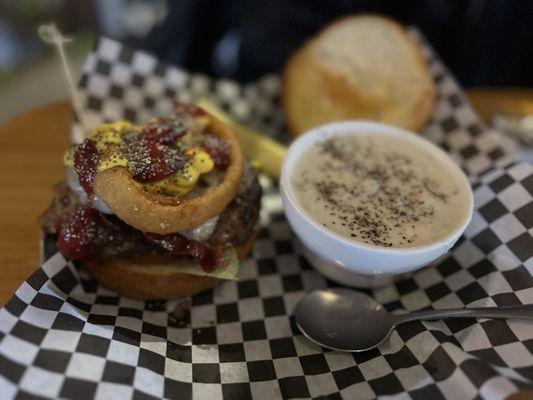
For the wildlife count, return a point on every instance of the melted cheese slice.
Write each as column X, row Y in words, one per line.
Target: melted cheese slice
column 228, row 268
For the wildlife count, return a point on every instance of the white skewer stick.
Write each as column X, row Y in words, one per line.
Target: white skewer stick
column 51, row 35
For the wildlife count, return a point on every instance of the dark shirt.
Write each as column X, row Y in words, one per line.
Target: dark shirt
column 484, row 43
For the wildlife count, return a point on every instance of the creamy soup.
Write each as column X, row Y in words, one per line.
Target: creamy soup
column 379, row 190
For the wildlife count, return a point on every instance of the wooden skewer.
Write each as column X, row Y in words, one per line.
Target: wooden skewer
column 51, row 35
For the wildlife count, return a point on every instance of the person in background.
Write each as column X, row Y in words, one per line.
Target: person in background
column 484, row 43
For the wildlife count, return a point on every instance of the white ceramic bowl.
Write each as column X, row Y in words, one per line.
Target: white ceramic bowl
column 347, row 261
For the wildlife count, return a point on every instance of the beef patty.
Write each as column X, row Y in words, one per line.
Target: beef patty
column 114, row 238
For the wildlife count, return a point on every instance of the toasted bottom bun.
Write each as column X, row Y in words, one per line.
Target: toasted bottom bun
column 154, row 282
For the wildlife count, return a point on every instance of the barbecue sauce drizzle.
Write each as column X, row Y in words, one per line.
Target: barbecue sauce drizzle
column 207, row 257
column 78, row 230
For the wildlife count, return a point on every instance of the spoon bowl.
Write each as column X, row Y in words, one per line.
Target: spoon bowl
column 343, row 319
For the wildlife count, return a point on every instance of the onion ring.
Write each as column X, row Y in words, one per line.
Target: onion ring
column 164, row 214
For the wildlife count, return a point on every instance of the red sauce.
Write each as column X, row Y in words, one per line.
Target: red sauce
column 179, row 245
column 164, row 131
column 157, row 168
column 77, row 232
column 85, row 163
column 219, row 151
column 158, row 138
column 189, row 109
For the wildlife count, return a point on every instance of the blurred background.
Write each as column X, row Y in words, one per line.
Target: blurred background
column 486, row 43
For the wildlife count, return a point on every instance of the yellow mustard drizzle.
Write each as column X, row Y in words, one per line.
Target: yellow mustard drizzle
column 68, row 157
column 200, row 160
column 183, row 182
column 114, row 160
column 111, row 134
column 178, row 184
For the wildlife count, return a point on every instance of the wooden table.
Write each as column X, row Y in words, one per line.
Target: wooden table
column 31, row 148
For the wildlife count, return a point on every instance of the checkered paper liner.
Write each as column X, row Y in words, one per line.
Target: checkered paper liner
column 63, row 335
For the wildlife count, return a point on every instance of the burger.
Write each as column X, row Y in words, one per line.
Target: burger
column 157, row 211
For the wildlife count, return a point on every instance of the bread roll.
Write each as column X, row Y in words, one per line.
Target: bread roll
column 359, row 67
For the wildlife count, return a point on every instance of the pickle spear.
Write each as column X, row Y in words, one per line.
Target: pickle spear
column 265, row 153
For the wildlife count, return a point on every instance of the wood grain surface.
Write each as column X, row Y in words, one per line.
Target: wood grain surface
column 31, row 150
column 487, row 102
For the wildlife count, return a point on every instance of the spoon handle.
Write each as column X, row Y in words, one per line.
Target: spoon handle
column 514, row 312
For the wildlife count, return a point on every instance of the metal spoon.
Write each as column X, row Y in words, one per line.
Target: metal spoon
column 347, row 320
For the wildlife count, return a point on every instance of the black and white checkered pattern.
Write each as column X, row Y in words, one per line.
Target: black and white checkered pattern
column 63, row 335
